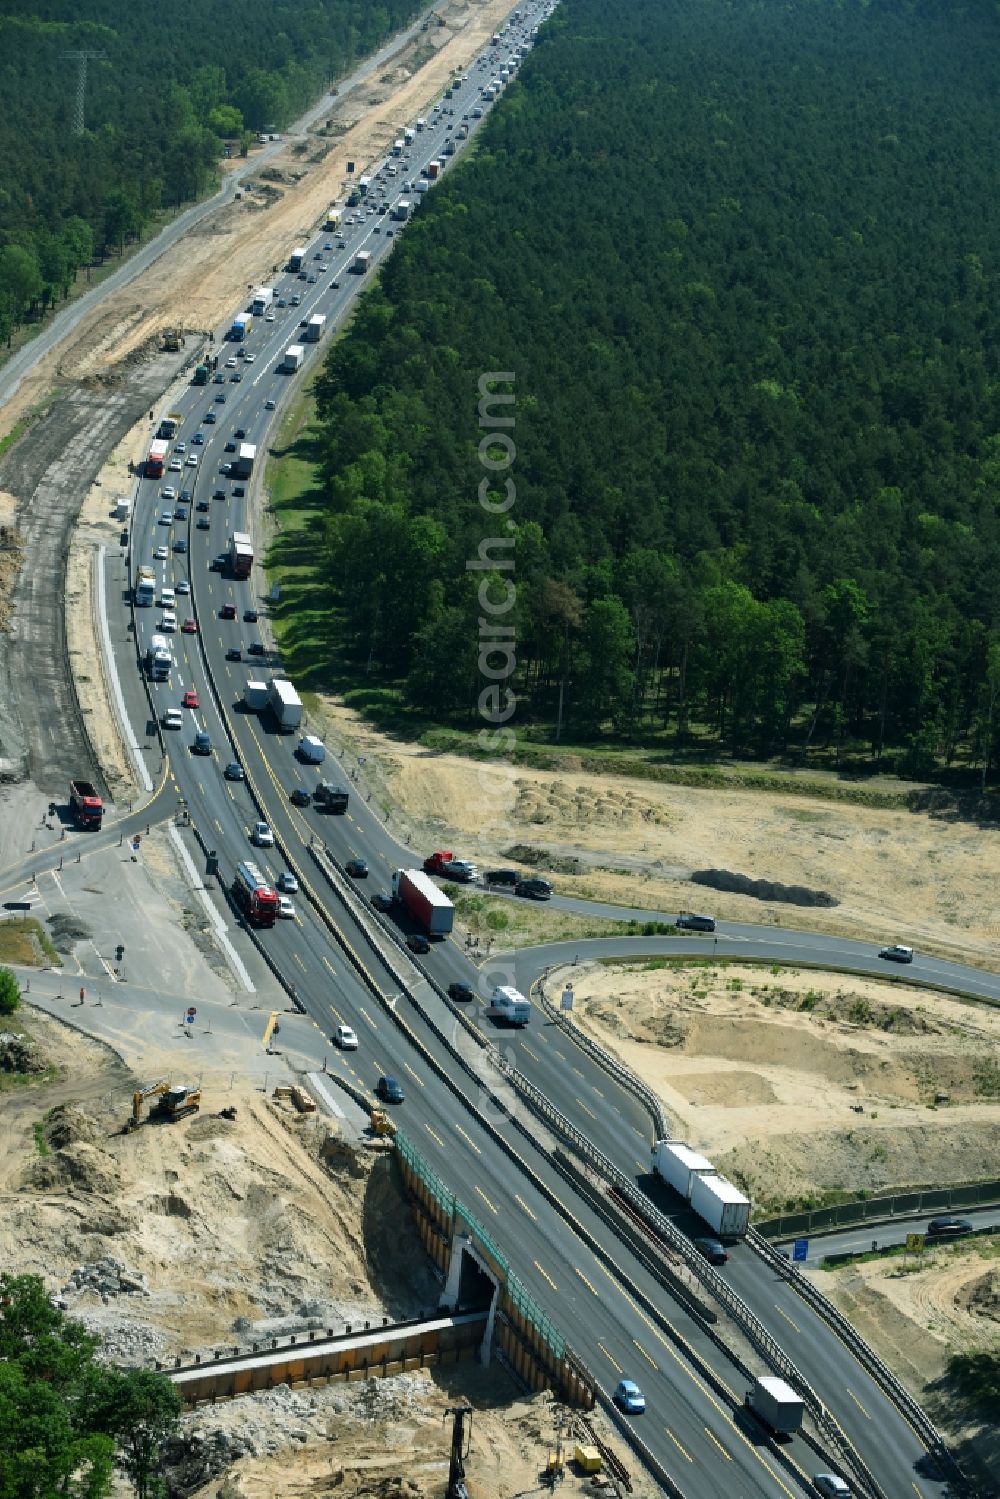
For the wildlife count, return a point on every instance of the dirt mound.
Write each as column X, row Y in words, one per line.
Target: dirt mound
column 542, row 858
column 80, row 1168
column 741, row 884
column 982, row 1297
column 68, row 1125
column 19, row 1053
column 608, row 805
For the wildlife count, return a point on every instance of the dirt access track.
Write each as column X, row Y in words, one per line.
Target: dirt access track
column 200, row 280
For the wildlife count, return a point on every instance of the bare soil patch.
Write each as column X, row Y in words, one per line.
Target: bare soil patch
column 800, row 1085
column 211, row 1232
column 896, row 875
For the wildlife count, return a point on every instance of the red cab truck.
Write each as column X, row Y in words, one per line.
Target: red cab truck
column 88, row 809
column 254, row 896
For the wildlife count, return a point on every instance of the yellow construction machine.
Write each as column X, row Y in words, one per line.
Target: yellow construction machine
column 173, row 1101
column 381, row 1125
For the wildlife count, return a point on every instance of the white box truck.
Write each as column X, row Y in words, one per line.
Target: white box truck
column 286, row 704
column 312, row 750
column 262, row 299
column 678, row 1165
column 362, row 261
column 294, row 355
column 510, row 1005
column 315, row 327
column 255, row 696
column 296, row 258
column 401, row 212
column 721, row 1205
column 775, row 1404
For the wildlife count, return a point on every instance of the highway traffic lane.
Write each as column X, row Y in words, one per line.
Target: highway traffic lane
column 860, row 1238
column 265, row 759
column 891, row 1449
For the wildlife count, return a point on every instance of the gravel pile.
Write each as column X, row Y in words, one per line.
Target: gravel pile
column 107, row 1277
column 211, row 1440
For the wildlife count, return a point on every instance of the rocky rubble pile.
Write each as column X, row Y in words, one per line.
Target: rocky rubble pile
column 211, row 1441
column 107, row 1277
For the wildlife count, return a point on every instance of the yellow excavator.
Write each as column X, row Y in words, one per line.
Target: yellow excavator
column 174, row 1100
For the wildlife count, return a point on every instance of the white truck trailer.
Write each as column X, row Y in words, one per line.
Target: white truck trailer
column 286, row 705
column 775, row 1404
column 678, row 1165
column 294, row 356
column 721, row 1205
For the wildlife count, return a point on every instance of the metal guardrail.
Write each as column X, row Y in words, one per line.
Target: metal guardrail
column 866, row 1356
column 622, row 1075
column 876, row 1210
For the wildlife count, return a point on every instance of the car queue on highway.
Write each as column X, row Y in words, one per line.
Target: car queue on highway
column 219, row 746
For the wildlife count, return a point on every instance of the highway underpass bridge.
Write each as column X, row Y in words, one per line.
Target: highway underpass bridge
column 478, row 1275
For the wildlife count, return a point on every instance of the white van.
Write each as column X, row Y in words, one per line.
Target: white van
column 312, row 750
column 168, row 599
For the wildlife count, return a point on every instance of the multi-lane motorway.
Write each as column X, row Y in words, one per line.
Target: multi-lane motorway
column 595, row 1290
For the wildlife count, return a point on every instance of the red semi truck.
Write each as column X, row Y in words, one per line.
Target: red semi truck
column 424, row 900
column 241, row 554
column 88, row 809
column 157, row 459
column 254, row 896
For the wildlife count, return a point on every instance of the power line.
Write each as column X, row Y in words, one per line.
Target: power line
column 81, row 58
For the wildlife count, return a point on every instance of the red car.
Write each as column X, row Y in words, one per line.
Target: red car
column 228, row 611
column 189, row 627
column 191, row 699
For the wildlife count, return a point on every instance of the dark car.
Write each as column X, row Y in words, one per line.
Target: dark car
column 690, row 923
column 203, row 524
column 334, row 285
column 357, row 869
column 210, row 417
column 234, row 653
column 389, row 1090
column 230, row 447
column 202, row 744
column 202, row 505
column 533, row 889
column 180, row 513
column 712, row 1250
column 180, row 545
column 218, row 494
column 238, row 492
column 255, row 648
column 250, row 616
column 418, row 943
column 948, row 1227
column 240, row 432
column 300, row 797
column 461, row 993
column 185, row 496
column 228, row 611
column 382, row 900
column 220, row 400
column 501, row 877
column 233, row 771
column 236, row 377
column 215, row 566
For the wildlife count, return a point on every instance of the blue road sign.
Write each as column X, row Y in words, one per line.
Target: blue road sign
column 800, row 1250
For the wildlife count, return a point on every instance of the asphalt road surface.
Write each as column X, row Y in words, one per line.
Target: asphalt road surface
column 579, row 1274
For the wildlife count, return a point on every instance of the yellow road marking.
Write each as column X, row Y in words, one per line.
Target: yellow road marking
column 545, row 1275
column 677, row 1444
column 712, row 1437
column 494, row 1210
column 468, row 1140
column 647, row 1356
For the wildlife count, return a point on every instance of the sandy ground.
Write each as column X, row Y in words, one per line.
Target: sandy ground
column 802, row 1084
column 897, row 875
column 797, row 1084
column 244, row 1229
column 196, row 284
